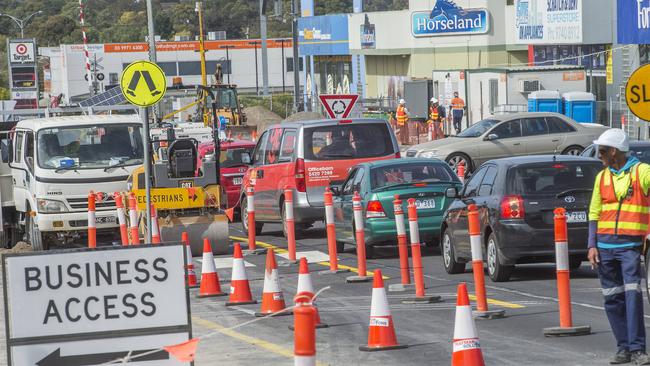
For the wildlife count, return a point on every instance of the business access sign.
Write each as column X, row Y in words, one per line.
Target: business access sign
column 633, row 21
column 549, row 22
column 446, row 19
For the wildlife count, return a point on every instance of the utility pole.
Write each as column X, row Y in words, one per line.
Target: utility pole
column 257, row 81
column 265, row 60
column 295, row 10
column 282, row 42
column 144, row 112
column 227, row 47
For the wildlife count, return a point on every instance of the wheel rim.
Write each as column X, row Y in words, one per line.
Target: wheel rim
column 446, row 250
column 454, row 161
column 491, row 256
column 244, row 214
column 573, row 151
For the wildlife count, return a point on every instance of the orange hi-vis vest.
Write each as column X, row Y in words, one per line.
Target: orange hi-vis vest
column 457, row 104
column 628, row 216
column 434, row 114
column 401, row 115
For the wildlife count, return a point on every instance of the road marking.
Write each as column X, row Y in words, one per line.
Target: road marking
column 504, row 304
column 313, row 256
column 279, row 250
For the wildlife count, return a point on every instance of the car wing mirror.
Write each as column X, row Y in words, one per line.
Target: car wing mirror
column 451, row 192
column 492, row 137
column 246, row 158
column 335, row 189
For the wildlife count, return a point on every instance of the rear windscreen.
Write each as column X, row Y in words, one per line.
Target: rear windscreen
column 552, row 178
column 411, row 173
column 349, row 141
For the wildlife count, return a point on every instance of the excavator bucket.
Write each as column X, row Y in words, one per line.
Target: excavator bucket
column 213, row 227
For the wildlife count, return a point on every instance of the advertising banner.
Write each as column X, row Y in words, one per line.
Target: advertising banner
column 367, row 34
column 633, row 21
column 549, row 21
column 323, row 35
column 446, row 18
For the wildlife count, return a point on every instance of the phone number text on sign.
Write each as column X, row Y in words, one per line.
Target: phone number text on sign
column 321, row 173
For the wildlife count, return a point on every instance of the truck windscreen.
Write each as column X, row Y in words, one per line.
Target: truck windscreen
column 90, row 147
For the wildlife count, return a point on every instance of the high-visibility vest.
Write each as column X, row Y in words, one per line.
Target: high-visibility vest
column 628, row 216
column 434, row 114
column 457, row 103
column 401, row 115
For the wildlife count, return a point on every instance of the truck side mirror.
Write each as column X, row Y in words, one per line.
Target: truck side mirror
column 246, row 158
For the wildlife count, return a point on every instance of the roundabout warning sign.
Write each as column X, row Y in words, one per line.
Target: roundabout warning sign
column 338, row 106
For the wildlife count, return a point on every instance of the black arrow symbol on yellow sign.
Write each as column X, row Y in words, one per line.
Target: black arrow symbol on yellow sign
column 55, row 358
column 135, row 79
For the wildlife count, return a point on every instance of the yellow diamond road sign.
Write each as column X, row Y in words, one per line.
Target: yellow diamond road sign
column 637, row 93
column 143, row 83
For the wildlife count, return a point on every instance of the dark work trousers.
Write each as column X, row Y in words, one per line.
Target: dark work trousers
column 620, row 273
column 458, row 118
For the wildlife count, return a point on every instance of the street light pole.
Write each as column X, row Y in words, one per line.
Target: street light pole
column 21, row 23
column 295, row 10
column 282, row 42
column 227, row 47
column 257, row 81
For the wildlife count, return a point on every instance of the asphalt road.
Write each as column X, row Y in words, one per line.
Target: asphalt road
column 529, row 300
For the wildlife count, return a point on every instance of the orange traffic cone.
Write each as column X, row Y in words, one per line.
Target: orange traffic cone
column 272, row 298
column 467, row 349
column 210, row 286
column 189, row 265
column 240, row 290
column 305, row 288
column 381, row 331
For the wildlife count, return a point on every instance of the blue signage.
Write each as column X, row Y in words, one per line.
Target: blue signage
column 323, row 35
column 633, row 22
column 447, row 18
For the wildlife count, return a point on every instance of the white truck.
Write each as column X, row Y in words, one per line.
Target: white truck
column 49, row 165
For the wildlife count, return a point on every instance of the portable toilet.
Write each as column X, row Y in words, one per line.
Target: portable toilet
column 545, row 101
column 580, row 106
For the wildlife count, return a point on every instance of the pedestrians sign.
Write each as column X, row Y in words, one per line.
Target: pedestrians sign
column 637, row 92
column 338, row 106
column 143, row 83
column 88, row 307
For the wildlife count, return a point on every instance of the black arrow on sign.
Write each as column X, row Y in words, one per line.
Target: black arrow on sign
column 55, row 358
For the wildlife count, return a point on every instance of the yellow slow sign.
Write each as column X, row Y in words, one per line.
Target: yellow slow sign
column 172, row 198
column 637, row 92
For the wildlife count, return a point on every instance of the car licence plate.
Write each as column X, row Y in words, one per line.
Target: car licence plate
column 576, row 216
column 105, row 220
column 425, row 204
column 237, row 181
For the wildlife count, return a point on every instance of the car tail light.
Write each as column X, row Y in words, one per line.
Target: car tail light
column 345, row 121
column 398, row 155
column 375, row 209
column 301, row 185
column 512, row 207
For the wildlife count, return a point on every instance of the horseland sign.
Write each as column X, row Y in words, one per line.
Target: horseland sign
column 87, row 307
column 549, row 21
column 446, row 19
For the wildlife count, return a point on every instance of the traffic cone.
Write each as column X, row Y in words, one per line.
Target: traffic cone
column 306, row 288
column 210, row 286
column 466, row 346
column 240, row 291
column 381, row 331
column 272, row 298
column 189, row 265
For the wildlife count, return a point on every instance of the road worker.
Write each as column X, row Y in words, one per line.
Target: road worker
column 402, row 116
column 457, row 111
column 618, row 223
column 436, row 116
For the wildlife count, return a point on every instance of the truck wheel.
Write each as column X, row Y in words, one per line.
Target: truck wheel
column 497, row 271
column 34, row 236
column 244, row 218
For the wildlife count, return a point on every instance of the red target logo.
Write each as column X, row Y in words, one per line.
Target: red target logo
column 21, row 49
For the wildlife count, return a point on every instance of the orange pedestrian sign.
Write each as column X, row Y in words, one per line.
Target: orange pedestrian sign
column 637, row 93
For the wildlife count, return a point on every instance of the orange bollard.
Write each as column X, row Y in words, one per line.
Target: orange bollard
column 121, row 218
column 461, row 172
column 290, row 224
column 250, row 211
column 402, row 246
column 482, row 310
column 566, row 327
column 361, row 241
column 133, row 220
column 155, row 234
column 331, row 234
column 92, row 229
column 190, row 274
column 304, row 334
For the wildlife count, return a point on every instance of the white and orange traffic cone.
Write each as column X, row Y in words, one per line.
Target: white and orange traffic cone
column 466, row 346
column 304, row 335
column 566, row 327
column 240, row 290
column 92, row 228
column 121, row 218
column 272, row 298
column 402, row 246
column 306, row 288
column 361, row 241
column 430, row 136
column 381, row 331
column 189, row 264
column 155, row 233
column 210, row 286
column 133, row 219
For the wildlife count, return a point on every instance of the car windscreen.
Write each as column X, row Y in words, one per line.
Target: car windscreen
column 348, row 141
column 410, row 173
column 479, row 128
column 552, row 178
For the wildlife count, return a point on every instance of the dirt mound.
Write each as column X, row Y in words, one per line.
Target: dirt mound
column 304, row 116
column 20, row 247
column 261, row 117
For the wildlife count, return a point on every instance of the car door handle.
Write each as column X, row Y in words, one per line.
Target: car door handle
column 555, row 140
column 517, row 143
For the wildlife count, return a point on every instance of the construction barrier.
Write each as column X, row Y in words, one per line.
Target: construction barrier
column 361, row 241
column 133, row 219
column 331, row 234
column 482, row 310
column 210, row 286
column 566, row 327
column 92, row 229
column 466, row 346
column 190, row 277
column 402, row 247
column 304, row 335
column 121, row 218
column 290, row 224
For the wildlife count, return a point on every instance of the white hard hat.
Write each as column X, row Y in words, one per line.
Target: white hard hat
column 402, row 101
column 434, row 100
column 615, row 138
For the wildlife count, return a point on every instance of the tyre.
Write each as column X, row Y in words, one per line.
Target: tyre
column 448, row 259
column 370, row 251
column 573, row 150
column 497, row 271
column 575, row 262
column 34, row 236
column 244, row 218
column 297, row 228
column 340, row 247
column 456, row 159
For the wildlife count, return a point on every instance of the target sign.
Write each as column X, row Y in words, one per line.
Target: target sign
column 22, row 52
column 21, row 49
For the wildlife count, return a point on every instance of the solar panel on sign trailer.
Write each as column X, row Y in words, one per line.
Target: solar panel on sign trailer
column 112, row 96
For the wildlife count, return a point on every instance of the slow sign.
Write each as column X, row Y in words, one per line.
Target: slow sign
column 637, row 92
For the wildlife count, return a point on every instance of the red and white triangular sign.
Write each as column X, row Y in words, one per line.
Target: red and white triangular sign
column 339, row 105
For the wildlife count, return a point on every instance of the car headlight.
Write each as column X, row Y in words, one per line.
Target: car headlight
column 428, row 154
column 50, row 206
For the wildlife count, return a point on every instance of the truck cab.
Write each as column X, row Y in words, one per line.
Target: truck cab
column 54, row 163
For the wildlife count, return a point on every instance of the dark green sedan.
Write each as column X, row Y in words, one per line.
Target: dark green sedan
column 378, row 182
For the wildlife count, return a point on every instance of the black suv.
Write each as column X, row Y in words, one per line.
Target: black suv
column 516, row 198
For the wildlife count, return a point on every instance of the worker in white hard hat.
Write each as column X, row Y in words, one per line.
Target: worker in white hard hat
column 402, row 116
column 436, row 116
column 618, row 224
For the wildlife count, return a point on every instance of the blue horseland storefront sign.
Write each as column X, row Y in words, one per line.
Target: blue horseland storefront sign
column 447, row 18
